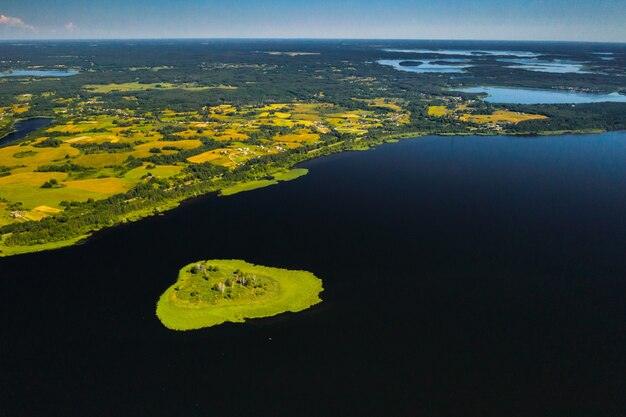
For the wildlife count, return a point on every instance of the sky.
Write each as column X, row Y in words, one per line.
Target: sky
column 576, row 20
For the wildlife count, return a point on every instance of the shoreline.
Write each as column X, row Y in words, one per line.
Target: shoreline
column 13, row 131
column 277, row 291
column 7, row 251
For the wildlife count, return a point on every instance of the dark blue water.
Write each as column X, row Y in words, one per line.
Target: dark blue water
column 24, row 127
column 463, row 276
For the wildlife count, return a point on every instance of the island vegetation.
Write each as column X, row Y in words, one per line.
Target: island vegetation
column 208, row 293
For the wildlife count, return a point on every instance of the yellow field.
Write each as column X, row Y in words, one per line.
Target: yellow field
column 208, row 156
column 273, row 107
column 498, row 116
column 20, row 108
column 100, row 185
column 80, row 139
column 229, row 157
column 302, row 137
column 35, row 179
column 501, row 116
column 46, row 209
column 437, row 111
column 79, row 127
column 282, row 122
column 232, row 134
column 34, row 215
column 386, row 103
column 100, row 160
column 39, row 156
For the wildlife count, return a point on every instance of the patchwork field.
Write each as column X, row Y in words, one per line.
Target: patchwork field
column 501, row 116
column 381, row 102
column 495, row 119
column 95, row 157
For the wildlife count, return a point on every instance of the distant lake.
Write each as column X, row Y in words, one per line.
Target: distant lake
column 38, row 73
column 427, row 65
column 465, row 52
column 556, row 66
column 463, row 276
column 536, row 96
column 24, row 127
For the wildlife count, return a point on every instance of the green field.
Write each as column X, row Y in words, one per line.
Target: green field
column 253, row 185
column 208, row 293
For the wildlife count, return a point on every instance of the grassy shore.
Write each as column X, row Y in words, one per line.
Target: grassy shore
column 280, row 175
column 208, row 293
column 253, row 185
column 19, row 250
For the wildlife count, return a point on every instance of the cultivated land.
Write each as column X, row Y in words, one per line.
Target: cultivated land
column 136, row 133
column 496, row 119
column 209, row 293
column 100, row 156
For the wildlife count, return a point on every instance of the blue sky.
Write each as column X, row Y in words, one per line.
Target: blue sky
column 581, row 20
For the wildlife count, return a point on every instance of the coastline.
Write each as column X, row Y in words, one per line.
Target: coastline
column 281, row 174
column 13, row 130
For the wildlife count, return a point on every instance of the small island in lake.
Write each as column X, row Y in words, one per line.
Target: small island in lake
column 410, row 63
column 208, row 293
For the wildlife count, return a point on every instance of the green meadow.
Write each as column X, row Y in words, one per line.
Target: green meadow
column 208, row 293
column 253, row 185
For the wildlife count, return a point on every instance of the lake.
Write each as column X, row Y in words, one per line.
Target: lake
column 553, row 66
column 427, row 65
column 21, row 128
column 463, row 276
column 526, row 60
column 465, row 52
column 536, row 96
column 38, row 73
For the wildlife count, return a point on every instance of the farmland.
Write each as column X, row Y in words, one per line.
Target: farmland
column 135, row 133
column 81, row 159
column 494, row 119
column 501, row 116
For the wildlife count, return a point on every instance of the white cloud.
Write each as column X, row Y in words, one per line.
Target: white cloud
column 14, row 22
column 71, row 27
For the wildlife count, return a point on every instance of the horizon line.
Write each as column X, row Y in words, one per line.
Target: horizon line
column 304, row 39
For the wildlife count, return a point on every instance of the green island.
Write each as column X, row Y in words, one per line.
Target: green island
column 208, row 293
